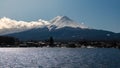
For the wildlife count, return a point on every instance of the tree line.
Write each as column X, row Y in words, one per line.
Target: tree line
column 7, row 41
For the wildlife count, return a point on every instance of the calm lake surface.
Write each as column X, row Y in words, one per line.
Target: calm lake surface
column 59, row 58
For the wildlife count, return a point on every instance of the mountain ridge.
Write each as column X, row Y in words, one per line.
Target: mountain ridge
column 66, row 33
column 8, row 25
column 60, row 27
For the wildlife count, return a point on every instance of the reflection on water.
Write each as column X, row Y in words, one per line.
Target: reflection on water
column 59, row 58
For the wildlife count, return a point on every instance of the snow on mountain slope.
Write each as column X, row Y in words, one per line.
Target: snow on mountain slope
column 8, row 25
column 64, row 21
column 11, row 26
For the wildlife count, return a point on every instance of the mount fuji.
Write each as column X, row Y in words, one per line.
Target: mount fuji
column 64, row 21
column 60, row 28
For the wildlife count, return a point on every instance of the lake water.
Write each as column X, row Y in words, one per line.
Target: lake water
column 59, row 58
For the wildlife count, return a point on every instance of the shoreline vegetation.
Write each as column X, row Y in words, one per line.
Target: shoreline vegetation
column 6, row 41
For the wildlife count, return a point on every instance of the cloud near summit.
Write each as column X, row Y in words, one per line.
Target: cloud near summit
column 8, row 25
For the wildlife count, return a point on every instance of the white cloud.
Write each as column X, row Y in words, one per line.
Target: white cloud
column 8, row 25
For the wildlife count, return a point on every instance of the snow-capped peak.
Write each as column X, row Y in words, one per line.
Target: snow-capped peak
column 8, row 25
column 64, row 21
column 60, row 19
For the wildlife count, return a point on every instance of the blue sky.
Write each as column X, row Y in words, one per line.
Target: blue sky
column 98, row 14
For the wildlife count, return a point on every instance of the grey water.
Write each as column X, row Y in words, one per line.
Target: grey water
column 59, row 58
